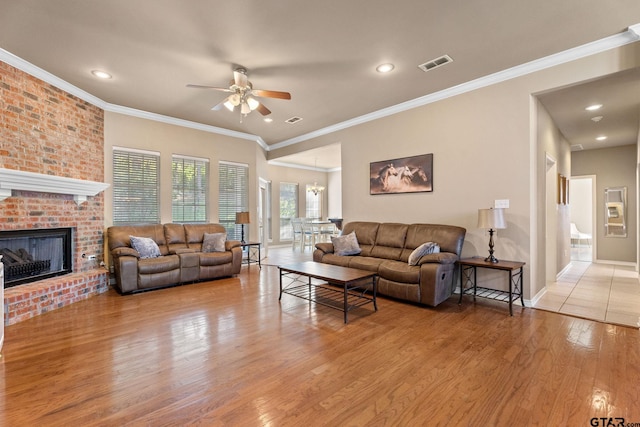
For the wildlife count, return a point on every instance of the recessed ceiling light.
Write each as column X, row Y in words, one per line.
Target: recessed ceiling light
column 268, row 119
column 594, row 107
column 596, row 118
column 385, row 68
column 101, row 74
column 601, row 138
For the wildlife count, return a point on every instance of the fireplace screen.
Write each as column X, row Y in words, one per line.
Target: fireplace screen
column 30, row 255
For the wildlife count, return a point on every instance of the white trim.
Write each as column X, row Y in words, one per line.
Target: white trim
column 182, row 156
column 136, row 150
column 226, row 162
column 11, row 179
column 291, row 165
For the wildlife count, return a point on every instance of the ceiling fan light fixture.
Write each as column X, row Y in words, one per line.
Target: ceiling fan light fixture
column 253, row 104
column 244, row 108
column 229, row 105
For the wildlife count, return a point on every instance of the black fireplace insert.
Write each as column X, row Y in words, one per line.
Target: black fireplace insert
column 31, row 255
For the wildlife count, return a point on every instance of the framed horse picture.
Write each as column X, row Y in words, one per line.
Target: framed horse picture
column 404, row 175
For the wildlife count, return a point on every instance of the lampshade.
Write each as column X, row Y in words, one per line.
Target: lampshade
column 242, row 218
column 491, row 218
column 253, row 103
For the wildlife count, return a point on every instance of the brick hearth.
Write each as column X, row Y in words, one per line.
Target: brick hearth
column 26, row 301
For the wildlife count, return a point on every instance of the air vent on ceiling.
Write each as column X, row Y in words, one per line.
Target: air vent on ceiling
column 428, row 66
column 577, row 147
column 293, row 120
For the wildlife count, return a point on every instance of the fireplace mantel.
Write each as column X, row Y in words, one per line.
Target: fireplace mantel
column 11, row 179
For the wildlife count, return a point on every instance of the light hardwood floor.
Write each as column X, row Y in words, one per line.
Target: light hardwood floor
column 227, row 352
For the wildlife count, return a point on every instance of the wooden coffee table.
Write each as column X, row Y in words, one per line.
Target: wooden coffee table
column 345, row 288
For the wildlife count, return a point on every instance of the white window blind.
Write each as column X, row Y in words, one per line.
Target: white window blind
column 233, row 197
column 136, row 187
column 314, row 204
column 190, row 189
column 288, row 208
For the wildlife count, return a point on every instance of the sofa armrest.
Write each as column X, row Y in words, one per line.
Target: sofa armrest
column 230, row 244
column 326, row 248
column 124, row 251
column 440, row 258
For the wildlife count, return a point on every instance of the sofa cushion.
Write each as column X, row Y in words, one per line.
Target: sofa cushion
column 399, row 271
column 215, row 258
column 214, row 242
column 346, row 245
column 366, row 263
column 422, row 250
column 158, row 265
column 145, row 246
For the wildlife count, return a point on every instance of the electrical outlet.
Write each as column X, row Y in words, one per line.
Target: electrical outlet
column 501, row 204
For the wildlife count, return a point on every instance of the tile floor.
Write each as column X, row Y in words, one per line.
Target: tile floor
column 603, row 292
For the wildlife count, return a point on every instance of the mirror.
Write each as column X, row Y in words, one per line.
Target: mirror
column 615, row 202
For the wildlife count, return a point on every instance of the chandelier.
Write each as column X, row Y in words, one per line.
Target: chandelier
column 315, row 188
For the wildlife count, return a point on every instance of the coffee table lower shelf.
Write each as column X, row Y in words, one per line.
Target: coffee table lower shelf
column 334, row 291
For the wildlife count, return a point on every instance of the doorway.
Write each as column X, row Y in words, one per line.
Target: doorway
column 582, row 213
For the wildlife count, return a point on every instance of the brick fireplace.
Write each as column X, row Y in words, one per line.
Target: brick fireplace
column 48, row 132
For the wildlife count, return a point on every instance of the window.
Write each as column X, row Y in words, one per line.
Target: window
column 288, row 209
column 314, row 204
column 234, row 197
column 136, row 186
column 190, row 189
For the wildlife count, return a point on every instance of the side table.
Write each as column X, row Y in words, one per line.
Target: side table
column 468, row 275
column 253, row 249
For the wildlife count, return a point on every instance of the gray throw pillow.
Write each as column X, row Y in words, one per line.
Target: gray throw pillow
column 346, row 245
column 146, row 247
column 422, row 250
column 214, row 242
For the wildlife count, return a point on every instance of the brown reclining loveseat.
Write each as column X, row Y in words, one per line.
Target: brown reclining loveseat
column 181, row 258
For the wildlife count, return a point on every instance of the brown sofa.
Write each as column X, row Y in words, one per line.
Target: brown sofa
column 386, row 248
column 181, row 258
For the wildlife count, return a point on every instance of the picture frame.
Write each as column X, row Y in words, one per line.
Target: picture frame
column 402, row 175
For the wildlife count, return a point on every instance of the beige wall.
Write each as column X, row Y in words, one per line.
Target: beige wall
column 557, row 225
column 613, row 167
column 132, row 132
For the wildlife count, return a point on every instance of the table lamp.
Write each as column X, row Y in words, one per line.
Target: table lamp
column 491, row 219
column 242, row 218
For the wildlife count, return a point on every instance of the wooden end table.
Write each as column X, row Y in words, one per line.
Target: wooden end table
column 468, row 275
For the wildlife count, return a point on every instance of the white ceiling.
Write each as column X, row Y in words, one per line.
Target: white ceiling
column 323, row 52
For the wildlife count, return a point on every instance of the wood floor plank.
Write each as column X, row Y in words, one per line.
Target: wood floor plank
column 228, row 352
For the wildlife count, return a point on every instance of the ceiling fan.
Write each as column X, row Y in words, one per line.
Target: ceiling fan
column 243, row 94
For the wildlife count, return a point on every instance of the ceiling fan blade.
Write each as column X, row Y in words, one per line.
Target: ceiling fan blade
column 223, row 89
column 240, row 79
column 271, row 94
column 263, row 110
